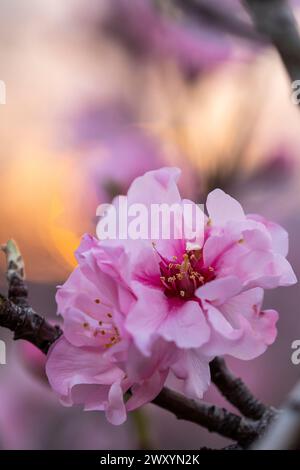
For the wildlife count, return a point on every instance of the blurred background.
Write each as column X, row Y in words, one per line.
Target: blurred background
column 97, row 93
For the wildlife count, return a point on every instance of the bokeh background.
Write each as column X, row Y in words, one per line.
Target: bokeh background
column 97, row 93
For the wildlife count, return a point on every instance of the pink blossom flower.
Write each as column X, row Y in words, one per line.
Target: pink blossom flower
column 192, row 292
column 136, row 312
column 88, row 365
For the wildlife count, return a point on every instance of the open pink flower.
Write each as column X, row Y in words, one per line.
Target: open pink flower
column 136, row 311
column 88, row 365
column 191, row 292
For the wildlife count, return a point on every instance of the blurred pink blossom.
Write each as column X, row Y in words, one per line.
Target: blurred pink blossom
column 149, row 33
column 115, row 150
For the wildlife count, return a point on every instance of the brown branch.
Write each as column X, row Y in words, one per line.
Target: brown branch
column 235, row 391
column 27, row 324
column 276, row 21
column 15, row 312
column 285, row 433
column 211, row 417
column 218, row 17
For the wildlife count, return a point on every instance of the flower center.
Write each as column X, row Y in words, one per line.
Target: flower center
column 181, row 277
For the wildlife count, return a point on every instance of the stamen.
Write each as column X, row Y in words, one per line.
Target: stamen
column 99, row 301
column 185, row 263
column 182, row 280
column 163, row 281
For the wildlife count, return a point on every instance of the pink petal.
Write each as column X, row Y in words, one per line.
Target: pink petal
column 146, row 316
column 68, row 366
column 155, row 187
column 222, row 208
column 219, row 290
column 116, row 410
column 147, row 390
column 279, row 235
column 193, row 368
column 185, row 324
column 254, row 329
column 140, row 367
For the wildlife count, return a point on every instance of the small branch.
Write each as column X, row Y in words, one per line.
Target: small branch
column 27, row 325
column 15, row 274
column 15, row 312
column 211, row 417
column 285, row 433
column 235, row 391
column 218, row 17
column 276, row 21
